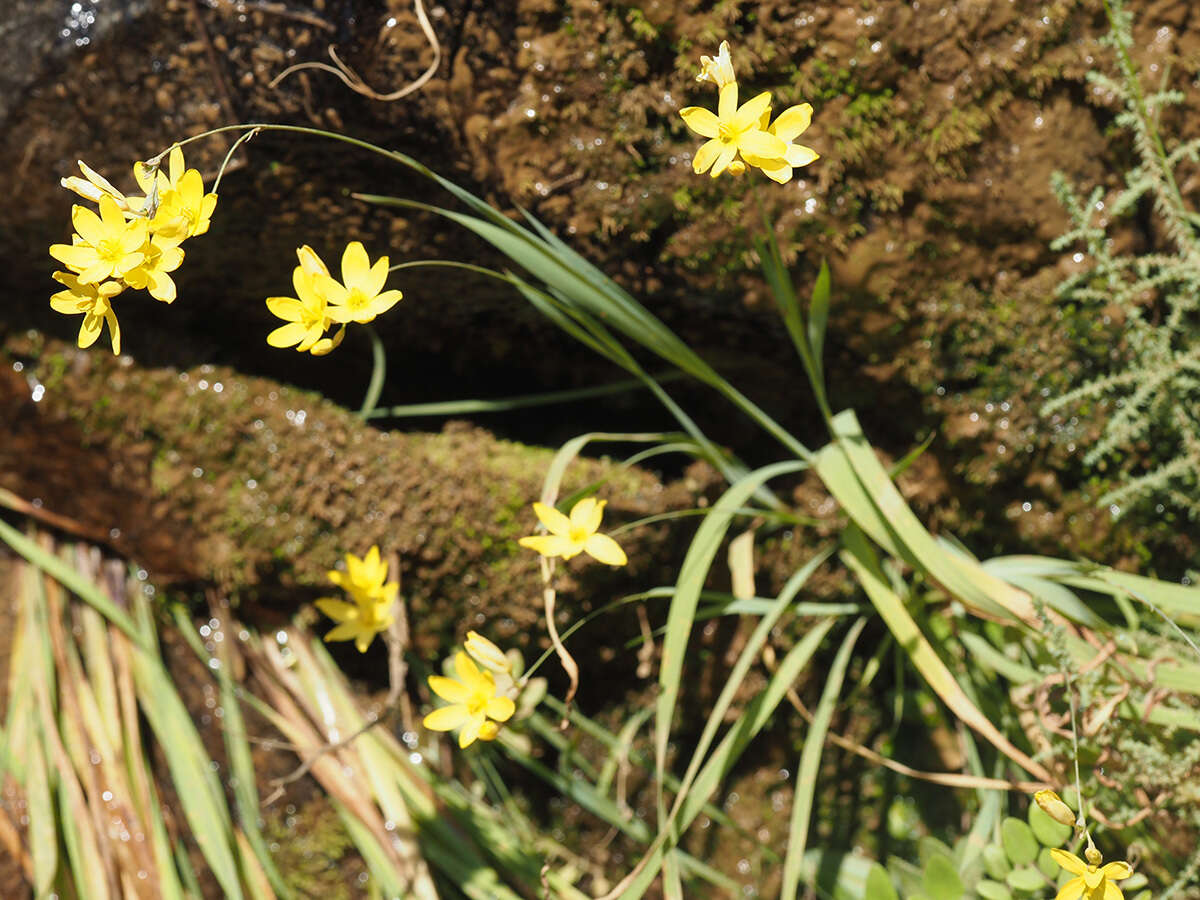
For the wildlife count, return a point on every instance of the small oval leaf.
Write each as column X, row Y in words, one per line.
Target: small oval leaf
column 879, row 885
column 995, row 861
column 941, row 881
column 1028, row 880
column 1019, row 843
column 992, row 890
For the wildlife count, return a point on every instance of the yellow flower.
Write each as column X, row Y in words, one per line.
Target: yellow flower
column 486, row 653
column 93, row 300
column 185, row 210
column 475, row 705
column 307, row 314
column 366, row 578
column 359, row 297
column 789, row 125
column 718, row 70
column 732, row 130
column 162, row 256
column 371, row 609
column 577, row 534
column 1093, row 882
column 106, row 247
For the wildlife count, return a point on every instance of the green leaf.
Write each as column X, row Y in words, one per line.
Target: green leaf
column 1028, row 880
column 1046, row 863
column 71, row 579
column 992, row 890
column 879, row 885
column 941, row 881
column 692, row 576
column 818, row 315
column 1019, row 843
column 1048, row 832
column 995, row 862
column 43, row 843
column 810, row 761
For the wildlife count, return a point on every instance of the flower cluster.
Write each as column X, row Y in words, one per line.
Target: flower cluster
column 745, row 135
column 371, row 598
column 574, row 534
column 322, row 301
column 134, row 241
column 479, row 698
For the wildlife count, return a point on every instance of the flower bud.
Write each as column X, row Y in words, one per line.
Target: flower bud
column 1053, row 806
column 486, row 653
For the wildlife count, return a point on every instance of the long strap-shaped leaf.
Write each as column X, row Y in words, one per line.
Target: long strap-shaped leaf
column 810, row 762
column 860, row 559
column 854, row 475
column 748, row 724
column 692, row 575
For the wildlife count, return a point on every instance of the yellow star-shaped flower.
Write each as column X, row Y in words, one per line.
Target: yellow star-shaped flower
column 1093, row 881
column 307, row 314
column 94, row 301
column 105, row 246
column 789, row 125
column 475, row 707
column 578, row 533
column 371, row 595
column 359, row 296
column 732, row 130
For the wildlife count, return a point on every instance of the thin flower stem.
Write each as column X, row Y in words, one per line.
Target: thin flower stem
column 378, row 374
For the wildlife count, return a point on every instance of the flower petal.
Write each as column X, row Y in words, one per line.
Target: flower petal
column 555, row 522
column 799, row 155
column 447, row 718
column 1118, row 871
column 288, row 335
column 724, row 158
column 356, row 266
column 468, row 673
column 344, row 632
column 550, row 545
column 87, row 224
column 792, row 122
column 707, row 155
column 584, row 512
column 749, row 112
column 89, row 330
column 603, row 548
column 500, row 709
column 287, row 308
column 727, row 106
column 762, row 145
column 1072, row 890
column 489, row 731
column 114, row 331
column 702, row 121
column 1112, row 892
column 449, row 689
column 376, row 277
column 470, row 730
column 1069, row 861
column 386, row 301
column 338, row 610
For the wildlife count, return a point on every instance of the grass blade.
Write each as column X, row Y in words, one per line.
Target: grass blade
column 810, row 761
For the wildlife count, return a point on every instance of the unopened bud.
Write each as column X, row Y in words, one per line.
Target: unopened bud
column 1053, row 806
column 486, row 653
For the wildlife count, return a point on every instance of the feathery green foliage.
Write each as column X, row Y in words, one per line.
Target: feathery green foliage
column 1151, row 436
